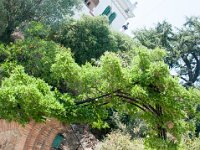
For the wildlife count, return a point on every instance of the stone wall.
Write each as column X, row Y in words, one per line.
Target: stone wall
column 33, row 136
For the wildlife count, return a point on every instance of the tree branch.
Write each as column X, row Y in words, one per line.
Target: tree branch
column 120, row 94
column 147, row 106
column 197, row 68
column 189, row 68
column 132, row 102
column 93, row 99
column 189, row 82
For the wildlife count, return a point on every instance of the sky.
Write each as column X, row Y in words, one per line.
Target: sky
column 149, row 12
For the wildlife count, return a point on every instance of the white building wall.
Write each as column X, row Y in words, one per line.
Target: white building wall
column 119, row 20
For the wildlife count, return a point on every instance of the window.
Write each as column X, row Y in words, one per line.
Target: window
column 107, row 11
column 112, row 17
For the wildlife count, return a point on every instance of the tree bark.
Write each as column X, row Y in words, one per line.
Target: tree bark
column 162, row 132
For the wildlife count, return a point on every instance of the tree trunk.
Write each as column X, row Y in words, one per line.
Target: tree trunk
column 162, row 133
column 6, row 36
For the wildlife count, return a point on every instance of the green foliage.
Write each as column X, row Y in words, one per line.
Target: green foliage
column 154, row 84
column 182, row 46
column 188, row 143
column 65, row 70
column 124, row 42
column 117, row 140
column 130, row 124
column 90, row 37
column 23, row 98
column 5, row 69
column 112, row 72
column 4, row 53
column 161, row 36
column 16, row 12
column 188, row 40
column 140, row 86
column 36, row 29
column 146, row 86
column 35, row 55
column 159, row 144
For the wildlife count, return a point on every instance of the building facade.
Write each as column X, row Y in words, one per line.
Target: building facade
column 117, row 11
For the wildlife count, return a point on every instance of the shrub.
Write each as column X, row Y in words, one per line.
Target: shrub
column 117, row 140
column 190, row 144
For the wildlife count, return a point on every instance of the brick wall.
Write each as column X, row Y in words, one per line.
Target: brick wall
column 33, row 136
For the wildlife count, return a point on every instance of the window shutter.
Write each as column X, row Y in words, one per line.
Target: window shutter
column 112, row 17
column 107, row 11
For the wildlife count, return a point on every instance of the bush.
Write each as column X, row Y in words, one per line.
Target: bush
column 117, row 140
column 36, row 29
column 130, row 124
column 23, row 98
column 4, row 53
column 35, row 55
column 190, row 144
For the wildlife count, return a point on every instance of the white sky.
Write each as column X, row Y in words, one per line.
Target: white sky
column 149, row 12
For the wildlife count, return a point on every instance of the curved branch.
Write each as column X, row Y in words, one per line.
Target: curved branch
column 95, row 98
column 147, row 106
column 138, row 104
column 124, row 97
column 130, row 101
column 92, row 99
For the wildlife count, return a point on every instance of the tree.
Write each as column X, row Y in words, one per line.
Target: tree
column 35, row 55
column 36, row 29
column 83, row 92
column 23, row 98
column 182, row 47
column 161, row 36
column 146, row 86
column 17, row 12
column 89, row 37
column 188, row 40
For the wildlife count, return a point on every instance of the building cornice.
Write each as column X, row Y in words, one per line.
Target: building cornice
column 125, row 7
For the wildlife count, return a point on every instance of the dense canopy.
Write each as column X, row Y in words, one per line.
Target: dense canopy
column 79, row 71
